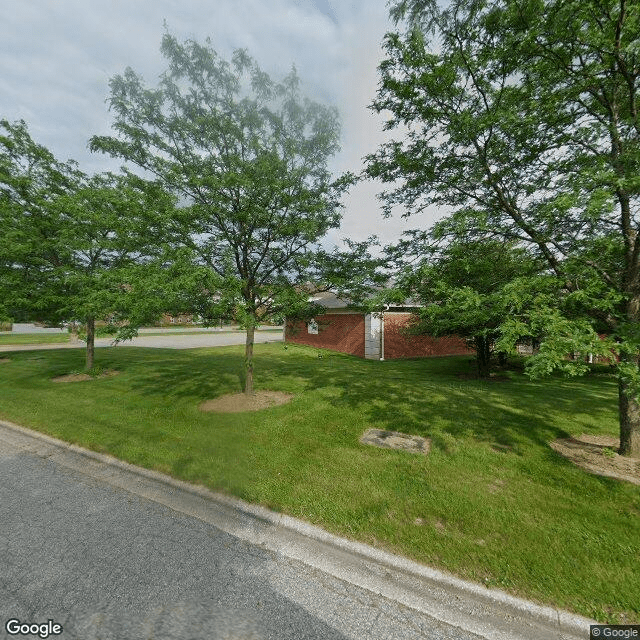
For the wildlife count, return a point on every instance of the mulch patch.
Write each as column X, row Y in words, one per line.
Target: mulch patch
column 241, row 402
column 597, row 454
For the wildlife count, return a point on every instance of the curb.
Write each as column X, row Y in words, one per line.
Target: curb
column 490, row 613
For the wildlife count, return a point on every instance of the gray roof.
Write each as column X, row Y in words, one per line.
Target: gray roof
column 330, row 300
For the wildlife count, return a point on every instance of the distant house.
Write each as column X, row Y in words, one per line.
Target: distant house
column 377, row 336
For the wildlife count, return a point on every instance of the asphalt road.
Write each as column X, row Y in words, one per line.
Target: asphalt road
column 107, row 563
column 195, row 340
column 168, row 340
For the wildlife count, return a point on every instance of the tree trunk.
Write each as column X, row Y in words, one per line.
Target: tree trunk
column 91, row 335
column 628, row 401
column 629, row 421
column 248, row 359
column 483, row 355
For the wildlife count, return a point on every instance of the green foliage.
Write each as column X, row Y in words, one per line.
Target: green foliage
column 247, row 156
column 103, row 223
column 354, row 274
column 77, row 246
column 30, row 180
column 461, row 286
column 523, row 116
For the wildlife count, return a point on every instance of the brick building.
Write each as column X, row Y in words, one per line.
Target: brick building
column 376, row 336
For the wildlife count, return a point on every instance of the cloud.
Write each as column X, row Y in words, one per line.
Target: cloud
column 58, row 57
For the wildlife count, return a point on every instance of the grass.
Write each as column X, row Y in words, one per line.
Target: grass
column 492, row 502
column 34, row 338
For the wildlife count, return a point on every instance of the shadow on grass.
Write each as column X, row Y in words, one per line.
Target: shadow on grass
column 423, row 396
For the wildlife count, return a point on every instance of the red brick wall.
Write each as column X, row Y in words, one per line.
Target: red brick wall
column 399, row 345
column 345, row 332
column 338, row 331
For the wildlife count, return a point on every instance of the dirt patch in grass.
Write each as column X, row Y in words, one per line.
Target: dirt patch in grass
column 597, row 454
column 5, row 360
column 81, row 377
column 241, row 402
column 496, row 486
column 396, row 440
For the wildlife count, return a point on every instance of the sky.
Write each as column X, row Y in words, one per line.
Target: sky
column 57, row 57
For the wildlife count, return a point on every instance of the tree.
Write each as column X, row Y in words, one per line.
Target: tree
column 462, row 287
column 30, row 179
column 524, row 118
column 248, row 157
column 113, row 257
column 73, row 244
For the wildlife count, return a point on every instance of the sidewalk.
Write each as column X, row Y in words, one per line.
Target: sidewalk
column 472, row 608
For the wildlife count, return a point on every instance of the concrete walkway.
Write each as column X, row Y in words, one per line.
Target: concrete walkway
column 333, row 588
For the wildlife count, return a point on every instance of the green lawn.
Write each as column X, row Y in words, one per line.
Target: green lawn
column 34, row 338
column 492, row 502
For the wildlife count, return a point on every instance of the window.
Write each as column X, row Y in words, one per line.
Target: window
column 312, row 327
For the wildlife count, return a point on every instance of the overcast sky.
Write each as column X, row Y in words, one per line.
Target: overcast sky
column 57, row 56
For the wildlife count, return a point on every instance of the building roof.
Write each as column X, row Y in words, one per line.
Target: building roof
column 330, row 300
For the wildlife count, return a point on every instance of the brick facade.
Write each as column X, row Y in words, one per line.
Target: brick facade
column 337, row 331
column 398, row 344
column 346, row 332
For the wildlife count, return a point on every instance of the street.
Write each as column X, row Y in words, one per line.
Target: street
column 107, row 563
column 168, row 340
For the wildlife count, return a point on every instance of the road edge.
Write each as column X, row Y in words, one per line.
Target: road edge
column 567, row 624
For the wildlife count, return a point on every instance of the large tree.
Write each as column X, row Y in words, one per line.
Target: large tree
column 113, row 259
column 248, row 158
column 463, row 286
column 31, row 178
column 523, row 115
column 73, row 246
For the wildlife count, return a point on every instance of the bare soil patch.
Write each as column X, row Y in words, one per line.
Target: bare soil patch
column 439, row 525
column 81, row 377
column 597, row 454
column 241, row 402
column 496, row 486
column 5, row 360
